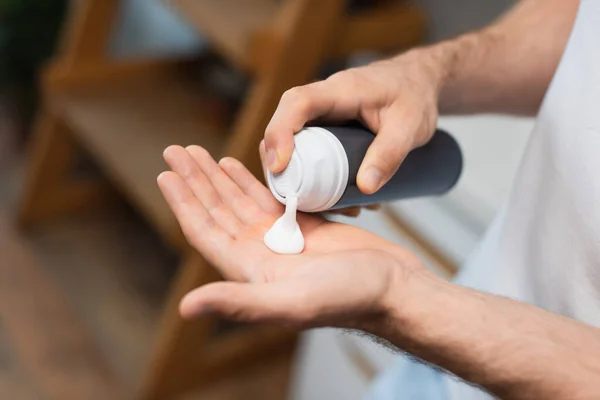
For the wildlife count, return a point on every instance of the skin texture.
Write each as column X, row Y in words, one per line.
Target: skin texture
column 347, row 277
column 350, row 278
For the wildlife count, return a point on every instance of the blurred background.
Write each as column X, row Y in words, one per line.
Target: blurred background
column 92, row 263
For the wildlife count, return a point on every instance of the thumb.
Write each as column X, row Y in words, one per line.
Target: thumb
column 298, row 106
column 384, row 156
column 245, row 302
column 262, row 151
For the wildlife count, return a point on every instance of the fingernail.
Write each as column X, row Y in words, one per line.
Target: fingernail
column 271, row 158
column 373, row 178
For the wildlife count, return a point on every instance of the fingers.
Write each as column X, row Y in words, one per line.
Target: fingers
column 224, row 186
column 243, row 206
column 355, row 211
column 182, row 163
column 248, row 302
column 251, row 186
column 198, row 226
column 298, row 106
column 348, row 212
column 384, row 156
column 262, row 151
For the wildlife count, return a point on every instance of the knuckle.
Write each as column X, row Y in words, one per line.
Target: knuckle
column 390, row 154
column 189, row 173
column 345, row 76
column 292, row 95
column 349, row 79
column 186, row 173
column 298, row 99
column 273, row 133
column 270, row 134
column 388, row 164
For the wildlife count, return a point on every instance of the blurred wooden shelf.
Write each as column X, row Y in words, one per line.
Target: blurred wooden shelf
column 237, row 27
column 231, row 25
column 127, row 123
column 390, row 26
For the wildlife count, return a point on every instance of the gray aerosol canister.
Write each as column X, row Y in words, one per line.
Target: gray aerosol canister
column 324, row 165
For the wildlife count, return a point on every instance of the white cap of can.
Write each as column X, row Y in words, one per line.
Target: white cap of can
column 317, row 172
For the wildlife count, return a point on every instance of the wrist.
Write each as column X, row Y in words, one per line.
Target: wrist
column 449, row 65
column 435, row 61
column 419, row 310
column 408, row 299
column 433, row 69
column 433, row 319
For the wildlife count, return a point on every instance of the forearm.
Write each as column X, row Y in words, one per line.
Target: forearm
column 511, row 349
column 507, row 66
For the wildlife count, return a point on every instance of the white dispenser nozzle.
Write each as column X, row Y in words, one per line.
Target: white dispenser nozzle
column 317, row 172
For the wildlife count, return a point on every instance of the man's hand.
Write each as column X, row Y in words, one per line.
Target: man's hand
column 396, row 99
column 347, row 277
column 342, row 278
column 348, row 212
column 505, row 67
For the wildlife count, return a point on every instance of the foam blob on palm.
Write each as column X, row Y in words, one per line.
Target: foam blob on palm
column 285, row 236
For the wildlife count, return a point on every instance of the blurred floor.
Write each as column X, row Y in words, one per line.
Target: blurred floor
column 45, row 344
column 79, row 304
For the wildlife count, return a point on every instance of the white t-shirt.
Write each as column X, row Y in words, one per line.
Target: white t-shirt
column 544, row 246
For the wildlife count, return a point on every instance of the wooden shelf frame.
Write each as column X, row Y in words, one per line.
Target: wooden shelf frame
column 234, row 27
column 390, row 26
column 127, row 121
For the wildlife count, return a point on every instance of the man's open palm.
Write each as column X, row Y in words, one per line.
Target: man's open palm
column 224, row 211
